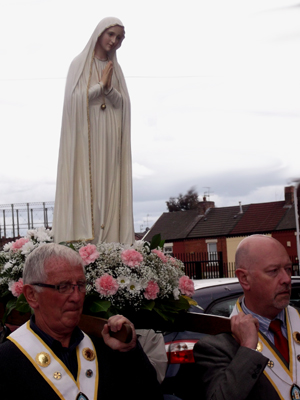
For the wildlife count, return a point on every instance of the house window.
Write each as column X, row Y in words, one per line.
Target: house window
column 212, row 250
column 212, row 266
column 168, row 248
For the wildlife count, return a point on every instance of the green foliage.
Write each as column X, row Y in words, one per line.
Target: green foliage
column 99, row 306
column 148, row 305
column 168, row 309
column 156, row 242
column 19, row 304
column 22, row 305
column 189, row 201
column 68, row 244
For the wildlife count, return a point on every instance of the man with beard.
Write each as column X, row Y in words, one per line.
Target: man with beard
column 260, row 360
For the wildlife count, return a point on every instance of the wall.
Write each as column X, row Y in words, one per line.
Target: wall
column 287, row 236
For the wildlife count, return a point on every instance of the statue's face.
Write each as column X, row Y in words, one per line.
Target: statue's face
column 111, row 38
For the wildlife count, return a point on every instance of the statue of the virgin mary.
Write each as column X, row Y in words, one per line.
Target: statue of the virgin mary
column 94, row 180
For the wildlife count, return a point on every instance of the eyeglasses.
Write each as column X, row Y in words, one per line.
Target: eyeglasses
column 64, row 288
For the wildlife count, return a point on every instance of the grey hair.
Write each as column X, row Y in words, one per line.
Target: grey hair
column 34, row 268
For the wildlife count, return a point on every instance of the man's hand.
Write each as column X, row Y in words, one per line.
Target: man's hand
column 245, row 330
column 115, row 324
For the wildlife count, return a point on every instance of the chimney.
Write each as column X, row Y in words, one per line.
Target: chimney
column 205, row 205
column 289, row 195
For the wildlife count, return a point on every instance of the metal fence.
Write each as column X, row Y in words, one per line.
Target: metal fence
column 211, row 265
column 16, row 219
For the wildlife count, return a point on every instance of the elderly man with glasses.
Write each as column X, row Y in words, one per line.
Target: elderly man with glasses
column 49, row 357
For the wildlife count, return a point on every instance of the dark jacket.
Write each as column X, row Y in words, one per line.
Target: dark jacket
column 121, row 375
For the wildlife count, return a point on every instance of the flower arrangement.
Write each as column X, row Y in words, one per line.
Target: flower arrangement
column 12, row 259
column 121, row 278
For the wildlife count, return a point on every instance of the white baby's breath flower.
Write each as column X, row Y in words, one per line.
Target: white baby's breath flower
column 144, row 282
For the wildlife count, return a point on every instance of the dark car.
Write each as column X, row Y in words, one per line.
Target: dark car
column 214, row 296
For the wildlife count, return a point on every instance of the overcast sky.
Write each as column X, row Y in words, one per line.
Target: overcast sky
column 214, row 87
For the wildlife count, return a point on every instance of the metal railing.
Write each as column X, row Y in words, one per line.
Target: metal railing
column 211, row 265
column 16, row 219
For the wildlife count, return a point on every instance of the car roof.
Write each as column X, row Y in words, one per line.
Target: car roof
column 208, row 291
column 203, row 283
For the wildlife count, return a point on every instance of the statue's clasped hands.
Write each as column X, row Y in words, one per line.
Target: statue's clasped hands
column 107, row 75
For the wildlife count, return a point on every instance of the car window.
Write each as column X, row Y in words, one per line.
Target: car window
column 295, row 296
column 223, row 307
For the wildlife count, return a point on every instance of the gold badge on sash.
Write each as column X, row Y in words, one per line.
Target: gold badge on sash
column 57, row 375
column 296, row 337
column 259, row 347
column 88, row 354
column 43, row 359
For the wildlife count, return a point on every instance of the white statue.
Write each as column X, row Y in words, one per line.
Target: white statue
column 94, row 180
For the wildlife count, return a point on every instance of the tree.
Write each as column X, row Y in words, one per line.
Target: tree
column 189, row 201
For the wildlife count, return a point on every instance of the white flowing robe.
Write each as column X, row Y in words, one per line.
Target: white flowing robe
column 94, row 180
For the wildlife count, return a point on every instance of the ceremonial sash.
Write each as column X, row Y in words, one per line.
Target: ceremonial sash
column 284, row 379
column 54, row 371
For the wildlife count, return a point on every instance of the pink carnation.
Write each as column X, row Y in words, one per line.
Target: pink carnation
column 151, row 290
column 16, row 287
column 186, row 286
column 106, row 285
column 18, row 244
column 89, row 253
column 131, row 257
column 161, row 255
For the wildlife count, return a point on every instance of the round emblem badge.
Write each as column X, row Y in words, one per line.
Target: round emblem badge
column 57, row 375
column 296, row 337
column 43, row 359
column 88, row 354
column 89, row 373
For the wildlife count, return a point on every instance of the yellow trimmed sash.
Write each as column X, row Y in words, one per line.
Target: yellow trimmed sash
column 279, row 375
column 54, row 371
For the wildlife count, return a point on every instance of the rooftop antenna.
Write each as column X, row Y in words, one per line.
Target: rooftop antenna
column 207, row 193
column 147, row 221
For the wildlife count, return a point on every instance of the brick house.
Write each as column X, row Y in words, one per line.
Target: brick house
column 219, row 230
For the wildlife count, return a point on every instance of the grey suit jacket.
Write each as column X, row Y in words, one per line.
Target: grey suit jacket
column 230, row 371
